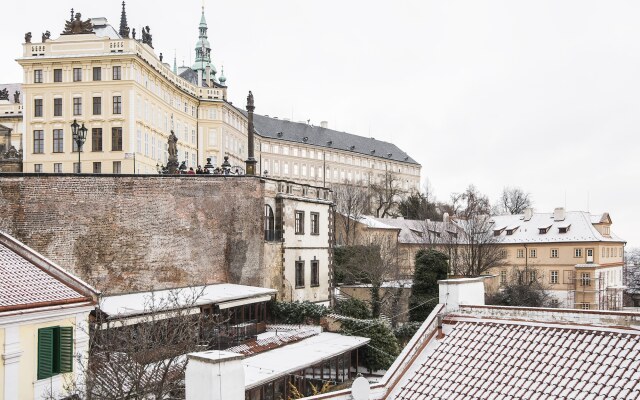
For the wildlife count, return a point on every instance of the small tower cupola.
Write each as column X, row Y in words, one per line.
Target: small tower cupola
column 203, row 50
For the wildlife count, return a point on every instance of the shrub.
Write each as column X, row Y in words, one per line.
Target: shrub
column 383, row 348
column 353, row 308
column 297, row 312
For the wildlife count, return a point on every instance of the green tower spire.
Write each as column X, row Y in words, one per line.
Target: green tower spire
column 203, row 49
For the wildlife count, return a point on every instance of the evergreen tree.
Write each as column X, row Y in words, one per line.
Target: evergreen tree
column 431, row 266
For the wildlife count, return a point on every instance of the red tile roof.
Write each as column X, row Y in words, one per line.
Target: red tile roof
column 512, row 360
column 23, row 284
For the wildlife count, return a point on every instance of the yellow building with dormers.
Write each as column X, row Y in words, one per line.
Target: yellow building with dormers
column 129, row 100
column 573, row 254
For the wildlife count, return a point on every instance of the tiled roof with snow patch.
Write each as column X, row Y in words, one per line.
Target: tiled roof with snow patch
column 23, row 284
column 517, row 360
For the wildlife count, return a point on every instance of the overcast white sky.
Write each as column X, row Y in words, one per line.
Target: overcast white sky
column 541, row 94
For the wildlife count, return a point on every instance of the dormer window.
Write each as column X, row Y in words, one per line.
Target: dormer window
column 498, row 231
column 512, row 230
column 564, row 228
column 544, row 229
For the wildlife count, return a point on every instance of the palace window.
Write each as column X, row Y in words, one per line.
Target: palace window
column 57, row 75
column 533, row 253
column 55, row 351
column 116, row 139
column 97, row 167
column 97, row 105
column 315, row 273
column 299, row 274
column 117, row 167
column 554, row 253
column 96, row 139
column 269, row 224
column 57, row 168
column 97, row 73
column 117, row 104
column 37, row 168
column 37, row 107
column 503, row 277
column 37, row 76
column 520, row 253
column 57, row 107
column 38, row 141
column 585, row 306
column 315, row 223
column 577, row 253
column 117, row 73
column 58, row 141
column 77, row 106
column 77, row 74
column 299, row 223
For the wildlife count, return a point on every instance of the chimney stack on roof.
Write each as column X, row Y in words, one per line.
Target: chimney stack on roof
column 324, row 124
column 464, row 291
column 445, row 217
column 528, row 213
column 559, row 214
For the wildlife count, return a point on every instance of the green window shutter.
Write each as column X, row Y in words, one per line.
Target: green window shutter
column 66, row 349
column 45, row 353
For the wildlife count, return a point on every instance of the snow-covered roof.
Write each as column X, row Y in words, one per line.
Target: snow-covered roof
column 102, row 28
column 416, row 231
column 123, row 305
column 579, row 224
column 525, row 360
column 270, row 365
column 399, row 283
column 376, row 223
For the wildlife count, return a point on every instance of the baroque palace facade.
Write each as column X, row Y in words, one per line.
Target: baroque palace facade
column 129, row 100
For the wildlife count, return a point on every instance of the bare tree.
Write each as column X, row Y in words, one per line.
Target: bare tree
column 386, row 195
column 469, row 203
column 374, row 263
column 145, row 357
column 514, row 200
column 475, row 248
column 478, row 250
column 523, row 287
column 352, row 201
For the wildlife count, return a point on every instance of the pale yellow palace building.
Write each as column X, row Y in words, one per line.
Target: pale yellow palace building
column 129, row 100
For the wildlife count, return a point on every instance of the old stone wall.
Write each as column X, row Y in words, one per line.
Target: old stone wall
column 126, row 233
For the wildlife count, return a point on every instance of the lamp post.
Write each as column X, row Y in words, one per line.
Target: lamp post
column 79, row 136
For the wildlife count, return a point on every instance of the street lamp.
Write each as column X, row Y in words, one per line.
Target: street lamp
column 79, row 136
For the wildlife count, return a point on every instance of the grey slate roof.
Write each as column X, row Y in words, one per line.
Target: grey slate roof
column 297, row 132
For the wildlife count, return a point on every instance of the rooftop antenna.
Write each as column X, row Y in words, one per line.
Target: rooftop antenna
column 565, row 199
column 588, row 201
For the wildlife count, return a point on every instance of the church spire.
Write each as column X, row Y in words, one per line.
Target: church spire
column 124, row 27
column 175, row 65
column 203, row 49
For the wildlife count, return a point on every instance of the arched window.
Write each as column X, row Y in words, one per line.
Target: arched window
column 269, row 223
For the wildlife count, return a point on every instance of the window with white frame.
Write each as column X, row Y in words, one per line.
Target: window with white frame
column 554, row 277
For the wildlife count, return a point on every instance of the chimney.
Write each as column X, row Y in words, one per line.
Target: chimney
column 559, row 214
column 528, row 213
column 251, row 161
column 463, row 291
column 324, row 124
column 440, row 334
column 445, row 218
column 200, row 74
column 214, row 375
column 208, row 75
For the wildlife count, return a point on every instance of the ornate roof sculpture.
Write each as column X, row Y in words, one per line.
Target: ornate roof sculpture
column 76, row 26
